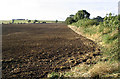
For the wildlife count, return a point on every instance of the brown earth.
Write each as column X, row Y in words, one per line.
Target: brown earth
column 34, row 50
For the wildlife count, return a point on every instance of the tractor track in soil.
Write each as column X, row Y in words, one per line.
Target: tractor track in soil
column 34, row 50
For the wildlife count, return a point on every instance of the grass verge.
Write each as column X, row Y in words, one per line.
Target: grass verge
column 106, row 35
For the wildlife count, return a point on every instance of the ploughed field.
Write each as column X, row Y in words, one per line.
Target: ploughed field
column 34, row 50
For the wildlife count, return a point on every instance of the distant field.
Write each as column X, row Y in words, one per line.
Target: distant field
column 26, row 21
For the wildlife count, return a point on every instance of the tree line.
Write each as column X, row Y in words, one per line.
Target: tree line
column 82, row 14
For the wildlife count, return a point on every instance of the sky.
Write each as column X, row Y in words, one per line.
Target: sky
column 54, row 9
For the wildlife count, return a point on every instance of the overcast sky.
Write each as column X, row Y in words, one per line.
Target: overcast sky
column 54, row 9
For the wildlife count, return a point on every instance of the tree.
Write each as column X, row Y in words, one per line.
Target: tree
column 35, row 21
column 98, row 19
column 81, row 14
column 72, row 16
column 29, row 21
column 69, row 20
column 56, row 21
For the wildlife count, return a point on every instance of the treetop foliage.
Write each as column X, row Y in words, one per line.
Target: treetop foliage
column 81, row 14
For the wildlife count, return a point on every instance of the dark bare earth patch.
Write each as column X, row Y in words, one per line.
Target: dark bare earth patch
column 34, row 50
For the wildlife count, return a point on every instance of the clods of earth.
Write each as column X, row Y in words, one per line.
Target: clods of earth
column 34, row 50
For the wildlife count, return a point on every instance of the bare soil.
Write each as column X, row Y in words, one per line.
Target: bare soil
column 34, row 50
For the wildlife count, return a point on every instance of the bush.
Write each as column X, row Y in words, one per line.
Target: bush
column 119, row 17
column 91, row 22
column 111, row 21
column 86, row 22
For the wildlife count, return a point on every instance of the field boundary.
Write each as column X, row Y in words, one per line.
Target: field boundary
column 76, row 30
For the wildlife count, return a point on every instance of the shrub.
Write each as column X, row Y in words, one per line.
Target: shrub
column 111, row 21
column 86, row 22
column 119, row 17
